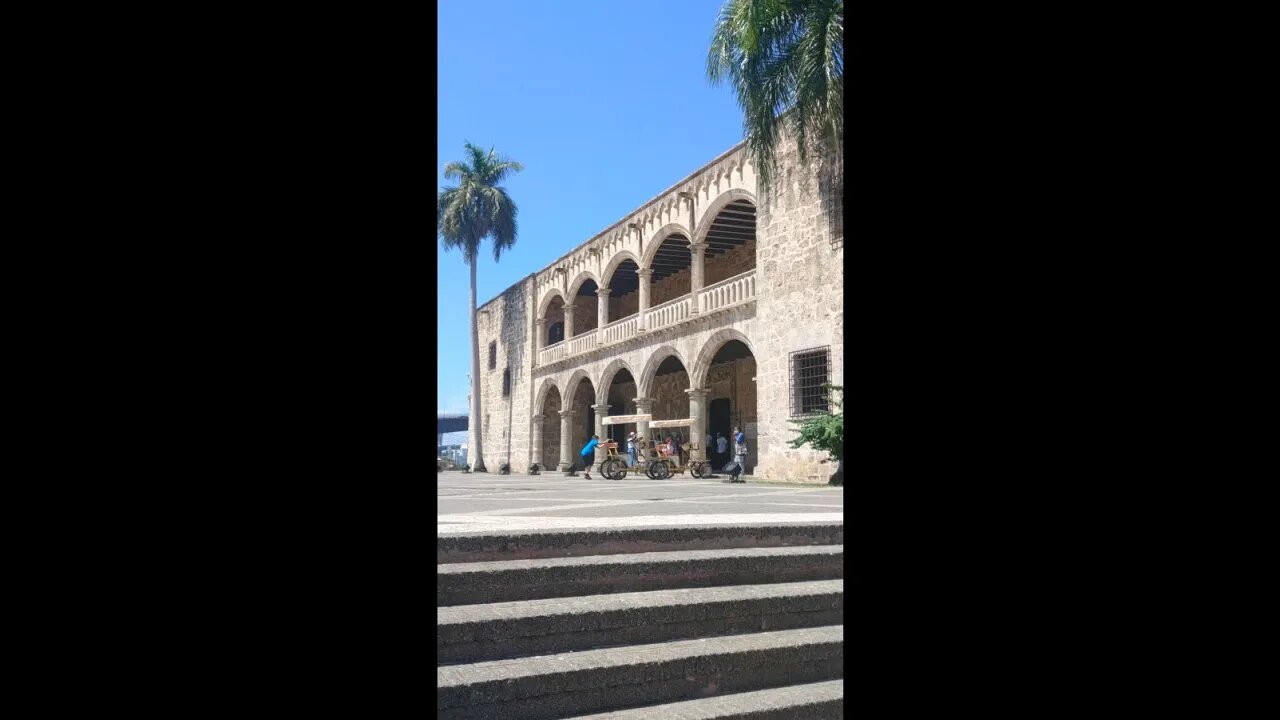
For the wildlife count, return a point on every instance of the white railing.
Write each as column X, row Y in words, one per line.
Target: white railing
column 551, row 353
column 620, row 330
column 731, row 291
column 726, row 293
column 583, row 342
column 668, row 313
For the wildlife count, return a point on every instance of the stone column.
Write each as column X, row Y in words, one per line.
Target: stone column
column 644, row 406
column 698, row 419
column 645, row 274
column 696, row 250
column 602, row 317
column 535, row 446
column 566, row 447
column 568, row 322
column 602, row 412
column 540, row 341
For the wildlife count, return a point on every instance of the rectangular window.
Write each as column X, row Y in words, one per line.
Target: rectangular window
column 810, row 370
column 493, row 354
column 506, row 382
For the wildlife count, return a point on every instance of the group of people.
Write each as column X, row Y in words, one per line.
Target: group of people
column 672, row 446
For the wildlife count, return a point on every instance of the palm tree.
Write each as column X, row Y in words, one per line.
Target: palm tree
column 783, row 58
column 476, row 208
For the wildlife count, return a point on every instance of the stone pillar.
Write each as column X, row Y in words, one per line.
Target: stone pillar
column 698, row 419
column 567, row 458
column 645, row 274
column 602, row 317
column 602, row 412
column 540, row 340
column 568, row 322
column 696, row 250
column 535, row 450
column 644, row 406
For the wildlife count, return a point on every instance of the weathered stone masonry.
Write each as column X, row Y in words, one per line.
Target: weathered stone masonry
column 738, row 295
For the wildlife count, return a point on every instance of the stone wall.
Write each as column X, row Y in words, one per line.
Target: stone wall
column 670, row 401
column 670, row 287
column 586, row 314
column 801, row 306
column 723, row 267
column 506, row 319
column 551, row 431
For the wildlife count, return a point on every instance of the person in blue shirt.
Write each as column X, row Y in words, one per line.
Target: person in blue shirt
column 588, row 455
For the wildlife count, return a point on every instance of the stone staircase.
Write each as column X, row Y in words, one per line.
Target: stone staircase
column 672, row 622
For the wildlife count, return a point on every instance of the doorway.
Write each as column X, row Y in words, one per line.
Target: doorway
column 718, row 423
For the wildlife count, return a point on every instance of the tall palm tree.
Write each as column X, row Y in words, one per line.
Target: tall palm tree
column 784, row 59
column 476, row 208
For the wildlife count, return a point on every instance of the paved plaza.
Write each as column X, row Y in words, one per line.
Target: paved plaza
column 488, row 501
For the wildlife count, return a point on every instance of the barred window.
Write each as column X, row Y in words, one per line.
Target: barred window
column 493, row 354
column 506, row 382
column 810, row 370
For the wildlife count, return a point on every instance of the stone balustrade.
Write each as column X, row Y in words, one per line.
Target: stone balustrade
column 584, row 342
column 728, row 292
column 620, row 330
column 668, row 313
column 551, row 353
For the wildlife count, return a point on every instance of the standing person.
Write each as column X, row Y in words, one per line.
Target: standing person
column 631, row 448
column 721, row 446
column 588, row 455
column 679, row 450
column 739, row 454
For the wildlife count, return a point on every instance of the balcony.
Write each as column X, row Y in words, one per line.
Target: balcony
column 725, row 294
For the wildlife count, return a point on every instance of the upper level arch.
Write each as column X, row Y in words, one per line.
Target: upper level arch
column 655, row 242
column 581, row 278
column 547, row 297
column 614, row 262
column 715, row 206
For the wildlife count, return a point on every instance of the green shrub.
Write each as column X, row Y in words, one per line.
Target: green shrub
column 826, row 432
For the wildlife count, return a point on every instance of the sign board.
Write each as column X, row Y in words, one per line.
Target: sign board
column 657, row 424
column 624, row 419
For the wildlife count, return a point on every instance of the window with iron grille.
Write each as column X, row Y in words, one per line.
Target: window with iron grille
column 506, row 382
column 493, row 354
column 810, row 370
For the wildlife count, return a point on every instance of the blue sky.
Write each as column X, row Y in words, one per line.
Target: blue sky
column 606, row 103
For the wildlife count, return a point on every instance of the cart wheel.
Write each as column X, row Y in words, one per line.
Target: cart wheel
column 652, row 469
column 615, row 470
column 696, row 468
column 661, row 470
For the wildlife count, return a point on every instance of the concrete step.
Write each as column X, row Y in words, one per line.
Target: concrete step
column 814, row 701
column 510, row 580
column 494, row 545
column 473, row 633
column 593, row 681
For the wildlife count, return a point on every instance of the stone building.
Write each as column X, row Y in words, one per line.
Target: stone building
column 702, row 303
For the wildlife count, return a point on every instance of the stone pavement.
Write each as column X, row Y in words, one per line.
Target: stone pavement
column 484, row 501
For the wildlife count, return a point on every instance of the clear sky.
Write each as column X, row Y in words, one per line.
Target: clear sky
column 606, row 102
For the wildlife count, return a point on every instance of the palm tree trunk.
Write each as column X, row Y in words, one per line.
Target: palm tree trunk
column 477, row 420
